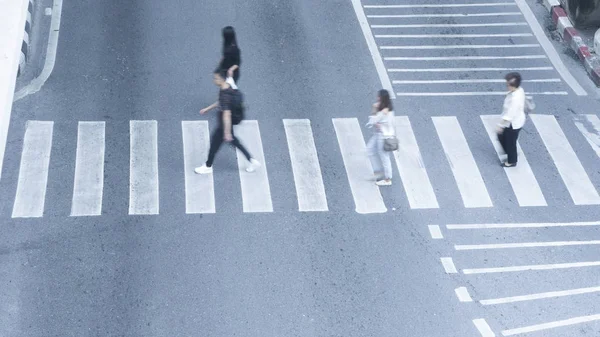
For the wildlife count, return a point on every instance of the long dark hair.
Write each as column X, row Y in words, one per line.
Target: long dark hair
column 229, row 39
column 384, row 100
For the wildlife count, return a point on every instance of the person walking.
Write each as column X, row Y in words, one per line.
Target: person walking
column 231, row 58
column 224, row 131
column 512, row 118
column 381, row 121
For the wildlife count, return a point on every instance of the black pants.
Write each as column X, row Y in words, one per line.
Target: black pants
column 508, row 140
column 216, row 140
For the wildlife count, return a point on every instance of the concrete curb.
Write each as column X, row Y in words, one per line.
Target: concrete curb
column 25, row 44
column 571, row 36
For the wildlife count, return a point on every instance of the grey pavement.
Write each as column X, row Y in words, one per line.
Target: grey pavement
column 285, row 273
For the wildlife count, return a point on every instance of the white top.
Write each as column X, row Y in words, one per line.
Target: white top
column 385, row 121
column 513, row 110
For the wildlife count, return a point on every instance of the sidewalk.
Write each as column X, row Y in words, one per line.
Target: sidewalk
column 13, row 14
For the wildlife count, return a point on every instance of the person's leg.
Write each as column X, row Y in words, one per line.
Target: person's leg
column 215, row 143
column 373, row 155
column 384, row 156
column 236, row 143
column 511, row 145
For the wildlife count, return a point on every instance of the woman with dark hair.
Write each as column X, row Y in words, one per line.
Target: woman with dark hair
column 231, row 59
column 512, row 119
column 382, row 122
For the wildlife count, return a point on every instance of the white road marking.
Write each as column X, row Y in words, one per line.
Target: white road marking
column 452, row 15
column 33, row 172
column 527, row 245
column 305, row 165
column 538, row 296
column 471, row 81
column 530, row 267
column 432, row 36
column 48, row 11
column 466, row 69
column 474, row 93
column 449, row 266
column 483, row 328
column 550, row 51
column 592, row 137
column 435, row 231
column 89, row 170
column 443, row 25
column 552, row 325
column 37, row 83
column 463, row 294
column 571, row 170
column 256, row 192
column 489, row 4
column 458, row 58
column 199, row 188
column 466, row 46
column 524, row 225
column 358, row 168
column 375, row 55
column 466, row 173
column 521, row 178
column 412, row 170
column 143, row 167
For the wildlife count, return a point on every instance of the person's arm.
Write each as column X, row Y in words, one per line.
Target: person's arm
column 210, row 107
column 232, row 69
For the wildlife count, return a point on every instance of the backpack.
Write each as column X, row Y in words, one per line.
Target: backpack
column 237, row 106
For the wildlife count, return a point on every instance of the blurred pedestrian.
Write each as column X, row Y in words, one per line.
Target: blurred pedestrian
column 383, row 140
column 512, row 118
column 231, row 58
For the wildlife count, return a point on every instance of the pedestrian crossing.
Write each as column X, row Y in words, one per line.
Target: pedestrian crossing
column 413, row 172
column 448, row 48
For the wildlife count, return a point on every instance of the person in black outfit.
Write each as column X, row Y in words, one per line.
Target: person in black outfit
column 224, row 131
column 231, row 59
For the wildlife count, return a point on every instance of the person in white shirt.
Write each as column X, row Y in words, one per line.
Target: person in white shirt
column 382, row 122
column 512, row 118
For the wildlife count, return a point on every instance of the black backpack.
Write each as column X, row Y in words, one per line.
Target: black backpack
column 237, row 106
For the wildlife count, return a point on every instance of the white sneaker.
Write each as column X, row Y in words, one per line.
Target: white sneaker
column 384, row 182
column 203, row 169
column 254, row 164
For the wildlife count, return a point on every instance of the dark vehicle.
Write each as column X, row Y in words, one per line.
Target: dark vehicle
column 583, row 13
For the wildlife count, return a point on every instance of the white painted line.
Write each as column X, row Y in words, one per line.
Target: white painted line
column 436, row 232
column 521, row 178
column 570, row 168
column 412, row 170
column 524, row 225
column 466, row 173
column 590, row 129
column 489, row 4
column 445, row 36
column 39, row 81
column 33, row 172
column 539, row 296
column 471, row 81
column 458, row 58
column 442, row 25
column 473, row 93
column 89, row 169
column 551, row 325
column 550, row 51
column 367, row 197
column 305, row 166
column 463, row 294
column 530, row 267
column 452, row 15
column 466, row 69
column 526, row 245
column 375, row 55
column 256, row 192
column 465, row 46
column 199, row 188
column 483, row 328
column 143, row 167
column 449, row 266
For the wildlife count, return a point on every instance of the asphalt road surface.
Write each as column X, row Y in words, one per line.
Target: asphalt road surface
column 108, row 232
